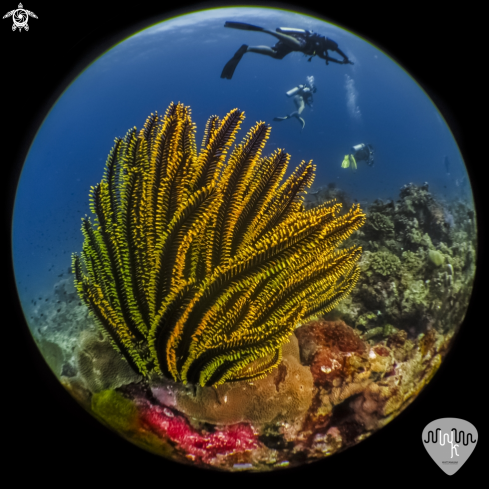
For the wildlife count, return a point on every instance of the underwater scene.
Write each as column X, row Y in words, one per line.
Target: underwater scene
column 255, row 261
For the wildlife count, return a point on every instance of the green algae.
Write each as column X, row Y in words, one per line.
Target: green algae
column 121, row 414
column 118, row 412
column 365, row 320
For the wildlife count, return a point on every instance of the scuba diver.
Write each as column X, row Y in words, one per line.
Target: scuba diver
column 359, row 152
column 289, row 39
column 302, row 95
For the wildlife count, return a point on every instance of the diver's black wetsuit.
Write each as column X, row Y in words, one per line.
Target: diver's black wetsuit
column 289, row 40
column 312, row 44
column 365, row 153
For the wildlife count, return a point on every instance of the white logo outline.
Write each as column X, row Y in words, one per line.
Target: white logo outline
column 20, row 17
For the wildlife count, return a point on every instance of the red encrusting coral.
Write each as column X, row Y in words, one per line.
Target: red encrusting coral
column 381, row 350
column 331, row 348
column 198, row 446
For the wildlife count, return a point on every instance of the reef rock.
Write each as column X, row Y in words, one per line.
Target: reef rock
column 99, row 366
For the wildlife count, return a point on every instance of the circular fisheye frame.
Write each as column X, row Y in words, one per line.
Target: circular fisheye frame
column 231, row 270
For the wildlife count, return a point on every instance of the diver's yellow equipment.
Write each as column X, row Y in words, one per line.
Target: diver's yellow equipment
column 349, row 160
column 353, row 163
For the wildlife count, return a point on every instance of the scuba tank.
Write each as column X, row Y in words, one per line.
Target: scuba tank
column 309, row 84
column 294, row 91
column 364, row 152
column 357, row 148
column 292, row 31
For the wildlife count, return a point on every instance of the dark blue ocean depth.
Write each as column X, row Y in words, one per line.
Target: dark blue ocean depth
column 373, row 101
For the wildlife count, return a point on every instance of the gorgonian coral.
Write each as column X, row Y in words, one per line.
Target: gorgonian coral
column 199, row 268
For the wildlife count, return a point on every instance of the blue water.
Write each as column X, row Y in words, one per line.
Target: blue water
column 374, row 101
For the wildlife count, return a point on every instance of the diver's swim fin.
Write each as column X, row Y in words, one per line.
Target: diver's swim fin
column 346, row 162
column 228, row 70
column 243, row 26
column 281, row 118
column 353, row 163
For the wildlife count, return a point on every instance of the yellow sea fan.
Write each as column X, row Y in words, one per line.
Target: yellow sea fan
column 200, row 265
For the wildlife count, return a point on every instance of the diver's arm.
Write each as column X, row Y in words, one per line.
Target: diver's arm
column 345, row 57
column 328, row 59
column 324, row 55
column 308, row 99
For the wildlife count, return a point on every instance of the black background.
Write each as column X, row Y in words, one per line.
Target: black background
column 49, row 438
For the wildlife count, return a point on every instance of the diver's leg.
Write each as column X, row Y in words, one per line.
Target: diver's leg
column 279, row 51
column 290, row 41
column 267, row 50
column 299, row 118
column 228, row 70
column 243, row 26
column 299, row 103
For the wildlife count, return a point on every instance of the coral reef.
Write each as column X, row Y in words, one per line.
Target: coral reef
column 436, row 257
column 382, row 263
column 198, row 267
column 199, row 446
column 350, row 389
column 341, row 373
column 417, row 268
column 327, row 193
column 99, row 366
column 58, row 318
column 53, row 354
column 378, row 226
column 283, row 395
column 360, row 387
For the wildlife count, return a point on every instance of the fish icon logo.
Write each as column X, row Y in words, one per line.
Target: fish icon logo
column 20, row 16
column 450, row 442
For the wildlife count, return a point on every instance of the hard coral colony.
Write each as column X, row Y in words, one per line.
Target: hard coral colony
column 198, row 267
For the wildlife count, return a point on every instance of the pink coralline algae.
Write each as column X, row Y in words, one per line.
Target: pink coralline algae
column 198, row 447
